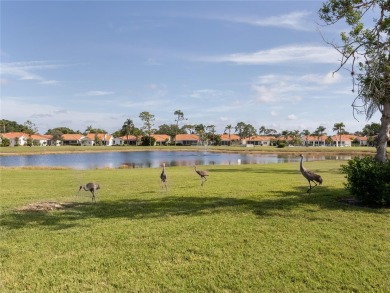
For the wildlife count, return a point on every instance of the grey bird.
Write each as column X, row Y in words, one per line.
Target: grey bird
column 163, row 177
column 92, row 187
column 202, row 175
column 310, row 176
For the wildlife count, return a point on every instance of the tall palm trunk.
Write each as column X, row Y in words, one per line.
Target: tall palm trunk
column 383, row 135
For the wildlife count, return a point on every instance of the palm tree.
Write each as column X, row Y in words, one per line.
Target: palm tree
column 262, row 129
column 127, row 127
column 229, row 129
column 180, row 117
column 320, row 131
column 211, row 129
column 339, row 127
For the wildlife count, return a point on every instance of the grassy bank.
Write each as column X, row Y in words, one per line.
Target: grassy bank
column 22, row 150
column 251, row 228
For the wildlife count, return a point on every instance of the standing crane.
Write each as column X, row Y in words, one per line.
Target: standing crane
column 202, row 175
column 92, row 187
column 310, row 176
column 163, row 177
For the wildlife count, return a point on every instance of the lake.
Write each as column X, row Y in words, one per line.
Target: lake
column 154, row 159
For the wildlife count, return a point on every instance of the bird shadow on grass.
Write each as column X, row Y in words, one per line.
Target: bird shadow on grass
column 282, row 204
column 252, row 170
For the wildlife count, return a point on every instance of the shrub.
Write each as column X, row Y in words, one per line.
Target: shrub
column 147, row 141
column 368, row 180
column 281, row 143
column 5, row 142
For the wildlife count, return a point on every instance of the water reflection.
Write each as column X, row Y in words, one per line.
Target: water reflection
column 154, row 159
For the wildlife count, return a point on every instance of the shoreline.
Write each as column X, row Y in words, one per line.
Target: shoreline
column 255, row 150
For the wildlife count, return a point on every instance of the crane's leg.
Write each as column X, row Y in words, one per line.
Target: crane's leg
column 93, row 196
column 309, row 190
column 164, row 184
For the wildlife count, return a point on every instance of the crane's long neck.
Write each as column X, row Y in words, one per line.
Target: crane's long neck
column 301, row 165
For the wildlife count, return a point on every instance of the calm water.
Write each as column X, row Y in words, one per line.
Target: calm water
column 153, row 159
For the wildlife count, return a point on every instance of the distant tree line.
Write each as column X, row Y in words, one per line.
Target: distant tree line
column 205, row 132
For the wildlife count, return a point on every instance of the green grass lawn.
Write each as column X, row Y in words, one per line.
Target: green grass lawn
column 251, row 228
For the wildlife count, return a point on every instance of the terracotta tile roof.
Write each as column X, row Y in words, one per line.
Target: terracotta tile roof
column 232, row 137
column 161, row 137
column 11, row 135
column 101, row 136
column 314, row 138
column 362, row 138
column 181, row 137
column 72, row 136
column 261, row 138
column 131, row 137
column 344, row 137
column 39, row 137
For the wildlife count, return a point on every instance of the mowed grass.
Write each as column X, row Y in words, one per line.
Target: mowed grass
column 251, row 228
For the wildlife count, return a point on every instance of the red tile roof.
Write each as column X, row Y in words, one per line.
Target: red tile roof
column 181, row 137
column 261, row 138
column 40, row 137
column 131, row 137
column 11, row 135
column 101, row 136
column 72, row 136
column 225, row 137
column 161, row 137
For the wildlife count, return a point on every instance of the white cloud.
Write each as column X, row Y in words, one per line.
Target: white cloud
column 329, row 78
column 98, row 93
column 291, row 117
column 274, row 113
column 27, row 70
column 295, row 20
column 292, row 53
column 206, row 94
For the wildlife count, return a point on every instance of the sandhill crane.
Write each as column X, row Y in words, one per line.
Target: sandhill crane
column 202, row 175
column 92, row 187
column 310, row 176
column 163, row 177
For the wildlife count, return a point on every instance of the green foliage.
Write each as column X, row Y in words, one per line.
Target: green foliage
column 368, row 180
column 11, row 126
column 5, row 142
column 148, row 140
column 62, row 130
column 281, row 143
column 29, row 142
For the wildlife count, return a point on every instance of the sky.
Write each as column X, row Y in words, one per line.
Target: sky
column 97, row 63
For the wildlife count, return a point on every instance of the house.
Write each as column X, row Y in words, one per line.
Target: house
column 363, row 140
column 40, row 140
column 187, row 139
column 129, row 140
column 117, row 141
column 51, row 141
column 234, row 139
column 314, row 140
column 71, row 139
column 344, row 140
column 91, row 139
column 161, row 139
column 15, row 138
column 260, row 140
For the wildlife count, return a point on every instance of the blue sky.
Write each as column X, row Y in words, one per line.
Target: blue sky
column 75, row 64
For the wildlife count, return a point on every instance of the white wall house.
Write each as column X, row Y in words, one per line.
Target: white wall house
column 41, row 140
column 15, row 138
column 117, row 141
